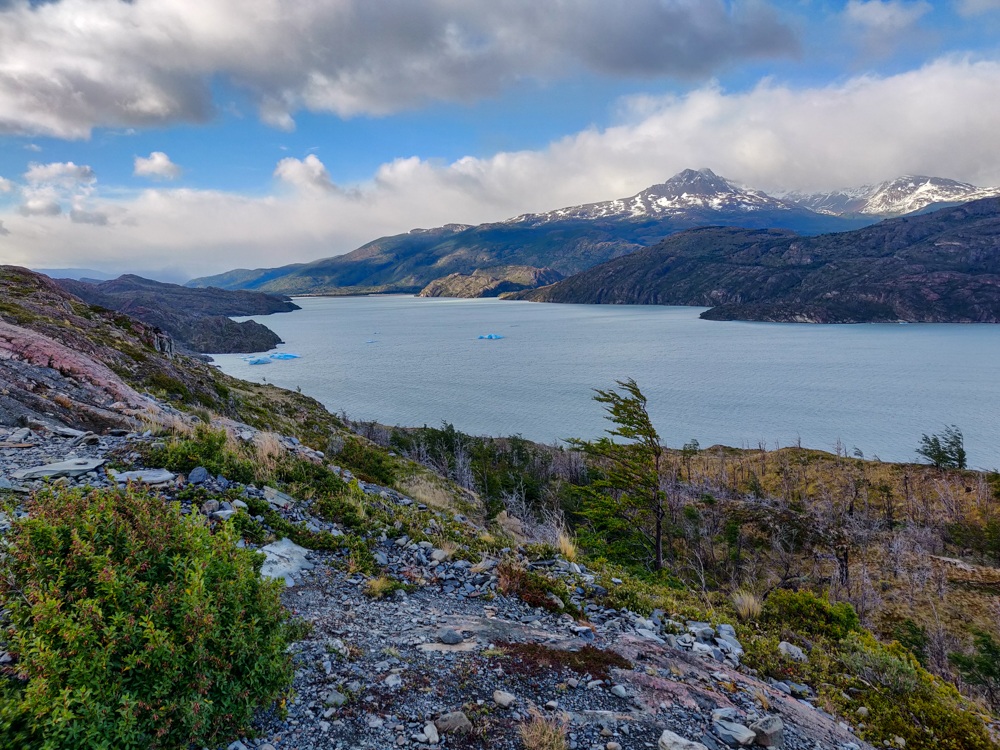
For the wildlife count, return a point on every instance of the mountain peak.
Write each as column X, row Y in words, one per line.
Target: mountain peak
column 688, row 190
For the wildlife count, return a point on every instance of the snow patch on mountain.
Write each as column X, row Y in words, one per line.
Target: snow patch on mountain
column 902, row 195
column 686, row 191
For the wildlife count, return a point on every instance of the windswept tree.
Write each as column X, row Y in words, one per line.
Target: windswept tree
column 945, row 451
column 628, row 504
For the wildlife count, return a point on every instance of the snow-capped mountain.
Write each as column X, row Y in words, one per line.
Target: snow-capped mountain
column 902, row 195
column 687, row 191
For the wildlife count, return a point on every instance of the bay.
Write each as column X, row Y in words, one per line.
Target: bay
column 873, row 388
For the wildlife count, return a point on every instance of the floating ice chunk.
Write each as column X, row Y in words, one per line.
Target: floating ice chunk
column 491, row 336
column 284, row 355
column 260, row 361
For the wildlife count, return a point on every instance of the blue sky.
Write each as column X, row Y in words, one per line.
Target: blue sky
column 283, row 133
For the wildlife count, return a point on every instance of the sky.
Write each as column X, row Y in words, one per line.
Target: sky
column 180, row 138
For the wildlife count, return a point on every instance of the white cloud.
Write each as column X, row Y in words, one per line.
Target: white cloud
column 40, row 207
column 940, row 119
column 309, row 174
column 3, row 231
column 33, row 147
column 880, row 26
column 976, row 7
column 157, row 166
column 886, row 16
column 70, row 65
column 6, row 186
column 66, row 174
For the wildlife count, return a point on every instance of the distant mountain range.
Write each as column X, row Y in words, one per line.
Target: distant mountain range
column 904, row 195
column 570, row 240
column 942, row 266
column 197, row 319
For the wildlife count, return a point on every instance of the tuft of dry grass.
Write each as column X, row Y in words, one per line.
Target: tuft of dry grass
column 267, row 450
column 747, row 604
column 760, row 695
column 376, row 588
column 567, row 546
column 448, row 547
column 539, row 733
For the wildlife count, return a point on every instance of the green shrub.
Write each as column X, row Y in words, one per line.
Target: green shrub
column 904, row 700
column 134, row 626
column 807, row 614
column 207, row 447
column 369, row 463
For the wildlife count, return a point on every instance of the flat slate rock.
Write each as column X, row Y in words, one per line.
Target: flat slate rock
column 284, row 560
column 142, row 476
column 72, row 468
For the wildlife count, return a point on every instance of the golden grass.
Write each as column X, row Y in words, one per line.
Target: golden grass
column 761, row 696
column 267, row 450
column 567, row 546
column 431, row 491
column 747, row 604
column 539, row 733
column 376, row 588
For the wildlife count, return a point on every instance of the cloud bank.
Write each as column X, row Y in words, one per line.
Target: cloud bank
column 940, row 120
column 70, row 65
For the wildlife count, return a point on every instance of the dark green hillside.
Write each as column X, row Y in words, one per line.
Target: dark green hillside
column 937, row 267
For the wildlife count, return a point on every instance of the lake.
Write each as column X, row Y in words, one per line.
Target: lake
column 875, row 388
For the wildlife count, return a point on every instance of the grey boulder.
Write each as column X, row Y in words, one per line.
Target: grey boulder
column 733, row 734
column 284, row 560
column 198, row 475
column 792, row 652
column 454, row 722
column 769, row 732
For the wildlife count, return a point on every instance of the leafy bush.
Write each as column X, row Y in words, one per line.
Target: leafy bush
column 207, row 447
column 904, row 700
column 805, row 613
column 982, row 668
column 133, row 626
column 371, row 464
column 946, row 451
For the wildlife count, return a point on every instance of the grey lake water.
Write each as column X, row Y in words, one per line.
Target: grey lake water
column 411, row 361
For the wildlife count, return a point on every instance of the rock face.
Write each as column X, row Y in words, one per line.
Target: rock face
column 940, row 267
column 285, row 560
column 491, row 282
column 196, row 318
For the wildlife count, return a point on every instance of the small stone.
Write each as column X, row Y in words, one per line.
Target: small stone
column 670, row 741
column 612, row 746
column 209, row 506
column 335, row 698
column 198, row 475
column 552, row 705
column 724, row 714
column 439, row 555
column 863, row 712
column 393, row 680
column 237, row 746
column 573, row 682
column 792, row 652
column 619, row 690
column 503, row 698
column 450, row 637
column 454, row 722
column 431, row 733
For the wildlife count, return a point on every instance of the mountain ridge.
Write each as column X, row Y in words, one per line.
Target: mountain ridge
column 942, row 266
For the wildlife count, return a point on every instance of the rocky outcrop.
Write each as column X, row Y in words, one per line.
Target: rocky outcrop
column 198, row 319
column 491, row 282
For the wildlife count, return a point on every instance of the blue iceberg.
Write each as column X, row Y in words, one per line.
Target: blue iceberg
column 284, row 355
column 260, row 361
column 491, row 336
column 371, row 341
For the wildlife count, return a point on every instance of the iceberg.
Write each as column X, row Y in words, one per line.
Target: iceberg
column 260, row 361
column 491, row 336
column 371, row 341
column 284, row 355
